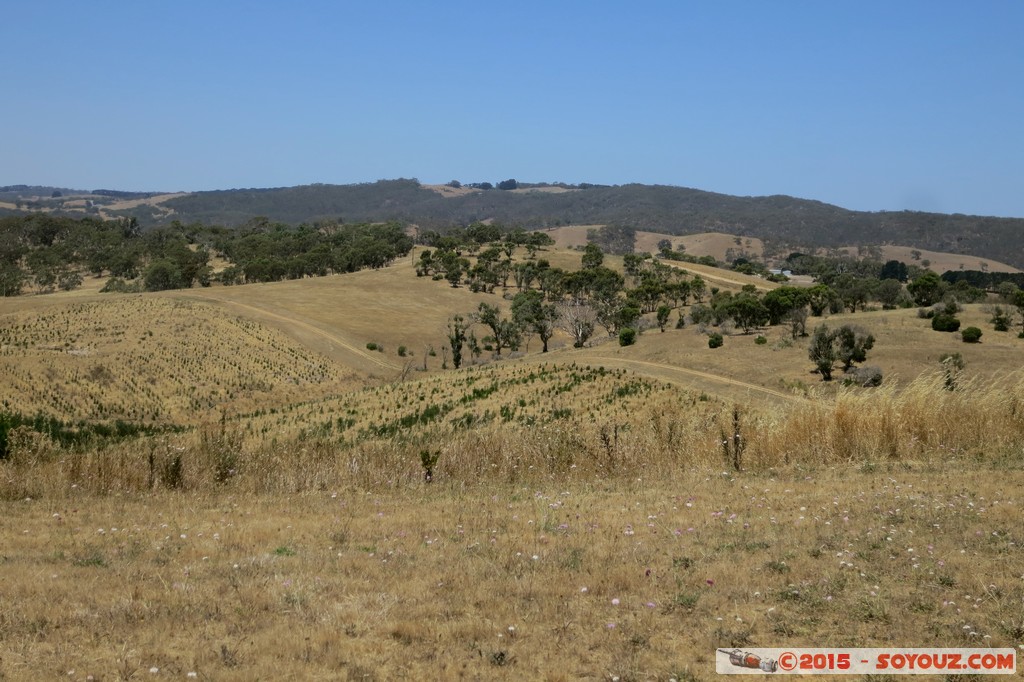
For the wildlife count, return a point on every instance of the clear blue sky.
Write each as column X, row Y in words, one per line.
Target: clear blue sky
column 870, row 105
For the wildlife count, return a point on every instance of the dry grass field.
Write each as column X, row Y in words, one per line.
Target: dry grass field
column 597, row 513
column 155, row 360
column 939, row 261
column 603, row 579
column 718, row 245
column 73, row 203
column 714, row 244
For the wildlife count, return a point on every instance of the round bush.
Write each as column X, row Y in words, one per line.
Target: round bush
column 761, row 340
column 627, row 336
column 715, row 340
column 971, row 335
column 945, row 323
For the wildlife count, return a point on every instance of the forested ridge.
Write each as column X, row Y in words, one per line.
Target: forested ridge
column 787, row 223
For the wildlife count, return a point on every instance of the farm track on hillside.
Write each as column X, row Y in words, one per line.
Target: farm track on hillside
column 672, row 374
column 290, row 323
column 293, row 323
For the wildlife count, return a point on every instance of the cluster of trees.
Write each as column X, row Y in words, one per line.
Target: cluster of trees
column 580, row 301
column 493, row 247
column 550, row 298
column 50, row 252
column 854, row 283
column 264, row 252
column 647, row 292
column 616, row 239
column 47, row 252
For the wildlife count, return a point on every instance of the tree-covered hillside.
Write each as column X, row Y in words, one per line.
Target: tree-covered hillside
column 782, row 220
column 786, row 223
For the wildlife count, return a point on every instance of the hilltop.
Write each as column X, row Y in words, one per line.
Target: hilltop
column 783, row 223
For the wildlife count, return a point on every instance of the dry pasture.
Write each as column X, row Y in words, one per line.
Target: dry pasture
column 565, row 580
column 586, row 518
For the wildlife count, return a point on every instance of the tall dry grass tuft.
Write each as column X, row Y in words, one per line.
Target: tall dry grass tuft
column 923, row 421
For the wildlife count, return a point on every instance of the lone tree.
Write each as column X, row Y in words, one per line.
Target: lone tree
column 1018, row 302
column 577, row 319
column 504, row 332
column 532, row 314
column 781, row 303
column 593, row 256
column 927, row 289
column 848, row 344
column 822, row 352
column 457, row 327
column 952, row 366
column 662, row 315
column 747, row 311
column 853, row 344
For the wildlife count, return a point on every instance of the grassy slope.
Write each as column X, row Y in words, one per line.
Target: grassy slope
column 878, row 518
column 331, row 320
column 153, row 359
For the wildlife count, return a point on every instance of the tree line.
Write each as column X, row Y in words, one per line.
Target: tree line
column 44, row 253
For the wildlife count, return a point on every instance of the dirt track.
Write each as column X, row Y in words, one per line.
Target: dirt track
column 310, row 334
column 684, row 377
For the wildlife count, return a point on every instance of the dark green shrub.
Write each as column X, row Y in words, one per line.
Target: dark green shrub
column 943, row 322
column 371, row 346
column 1000, row 320
column 627, row 336
column 715, row 340
column 402, row 351
column 761, row 340
column 971, row 335
column 428, row 459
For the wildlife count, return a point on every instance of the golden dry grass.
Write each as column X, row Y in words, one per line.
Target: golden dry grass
column 153, row 359
column 718, row 244
column 714, row 244
column 559, row 580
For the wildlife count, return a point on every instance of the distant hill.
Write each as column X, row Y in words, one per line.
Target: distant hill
column 782, row 222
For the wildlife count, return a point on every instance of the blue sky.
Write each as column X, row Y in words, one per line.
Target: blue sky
column 868, row 105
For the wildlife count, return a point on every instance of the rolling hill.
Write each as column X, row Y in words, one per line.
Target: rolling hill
column 190, row 356
column 784, row 223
